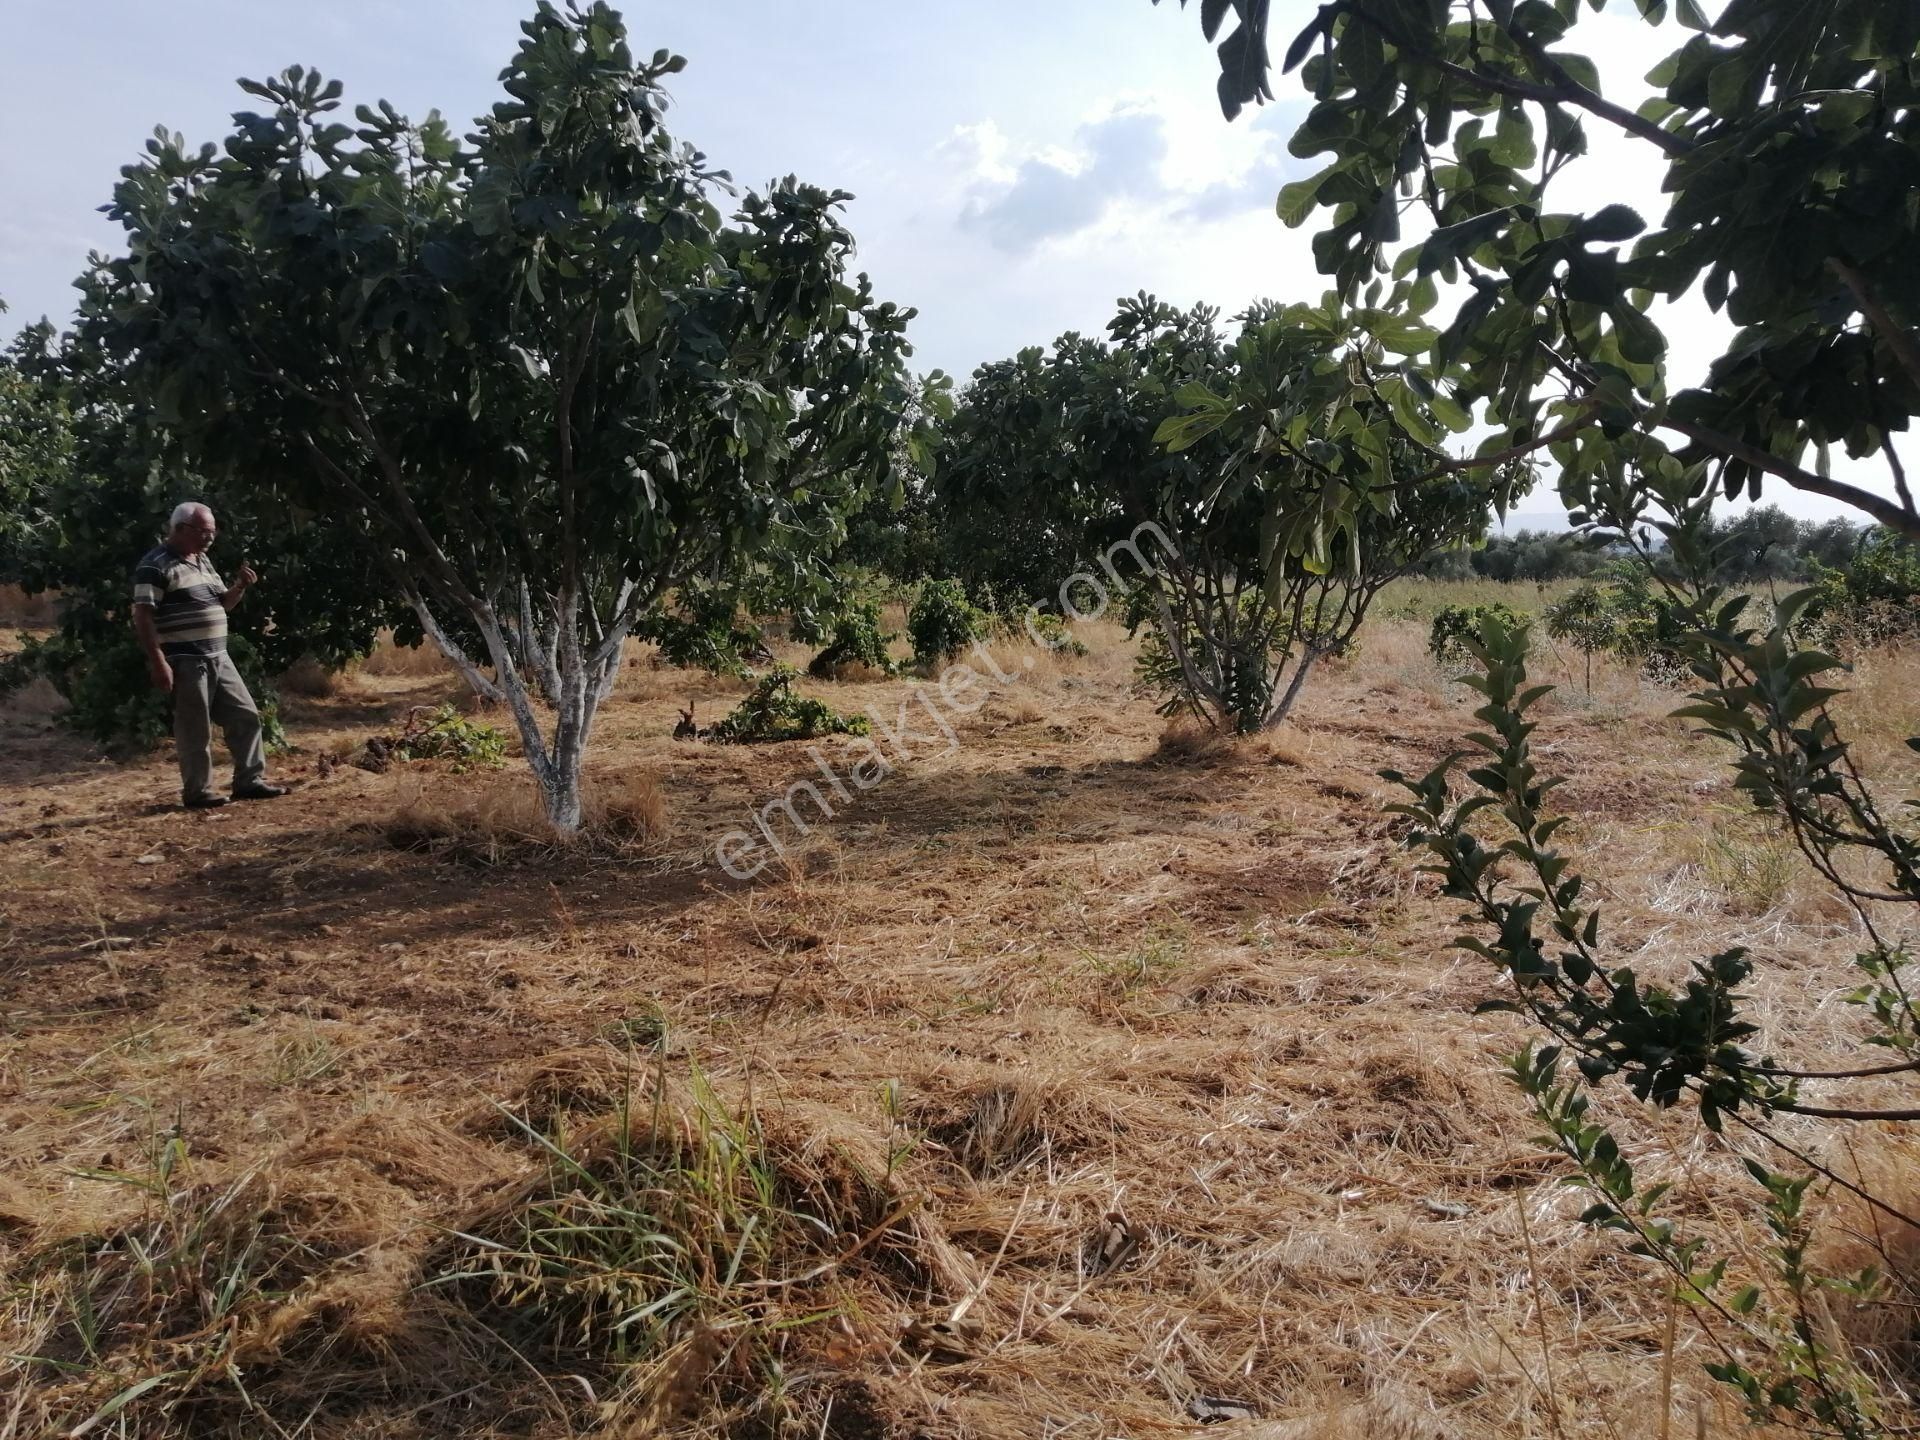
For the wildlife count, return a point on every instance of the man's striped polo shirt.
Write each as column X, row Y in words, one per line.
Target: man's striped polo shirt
column 185, row 594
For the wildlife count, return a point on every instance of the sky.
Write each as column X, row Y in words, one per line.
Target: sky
column 1017, row 167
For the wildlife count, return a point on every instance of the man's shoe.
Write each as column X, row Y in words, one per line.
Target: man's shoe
column 204, row 802
column 261, row 791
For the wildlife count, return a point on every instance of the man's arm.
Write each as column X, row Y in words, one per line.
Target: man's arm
column 240, row 586
column 149, row 637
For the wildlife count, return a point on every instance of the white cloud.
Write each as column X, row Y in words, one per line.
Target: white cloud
column 1112, row 161
column 1155, row 172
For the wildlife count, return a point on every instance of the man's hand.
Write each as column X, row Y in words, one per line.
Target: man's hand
column 158, row 669
column 248, row 578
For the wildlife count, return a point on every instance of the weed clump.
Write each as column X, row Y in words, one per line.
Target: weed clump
column 679, row 1252
column 145, row 1320
column 774, row 713
column 675, row 1246
column 439, row 734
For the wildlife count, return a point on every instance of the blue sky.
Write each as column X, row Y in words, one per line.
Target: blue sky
column 1017, row 166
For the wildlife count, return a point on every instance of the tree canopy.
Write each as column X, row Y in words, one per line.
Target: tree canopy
column 36, row 453
column 1170, row 422
column 536, row 373
column 85, row 490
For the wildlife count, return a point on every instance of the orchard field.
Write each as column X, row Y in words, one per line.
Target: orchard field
column 833, row 885
column 1127, row 1076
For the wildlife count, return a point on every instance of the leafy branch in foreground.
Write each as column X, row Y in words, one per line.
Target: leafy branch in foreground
column 1787, row 135
column 1690, row 1043
column 1455, row 626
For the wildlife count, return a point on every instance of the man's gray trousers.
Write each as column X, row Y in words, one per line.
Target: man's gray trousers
column 207, row 690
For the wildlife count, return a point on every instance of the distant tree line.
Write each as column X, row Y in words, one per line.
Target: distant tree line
column 1760, row 544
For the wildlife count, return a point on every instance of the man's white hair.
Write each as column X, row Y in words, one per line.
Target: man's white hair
column 185, row 511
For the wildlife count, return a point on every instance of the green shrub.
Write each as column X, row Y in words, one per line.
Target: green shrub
column 445, row 734
column 774, row 713
column 1619, row 617
column 703, row 631
column 675, row 1248
column 1052, row 632
column 1875, row 600
column 1455, row 625
column 858, row 639
column 943, row 622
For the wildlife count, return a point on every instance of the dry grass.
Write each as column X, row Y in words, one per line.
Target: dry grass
column 492, row 818
column 488, row 819
column 1124, row 1082
column 1188, row 741
column 1880, row 710
column 629, row 807
column 36, row 700
column 310, row 680
column 1421, row 599
column 388, row 660
column 30, row 612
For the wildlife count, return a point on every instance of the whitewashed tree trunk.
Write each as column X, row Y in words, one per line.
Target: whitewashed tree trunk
column 1278, row 715
column 1197, row 685
column 573, row 680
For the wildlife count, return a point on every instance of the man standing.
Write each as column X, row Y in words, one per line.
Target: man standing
column 180, row 607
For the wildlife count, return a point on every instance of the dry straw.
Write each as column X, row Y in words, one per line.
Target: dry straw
column 1086, row 1081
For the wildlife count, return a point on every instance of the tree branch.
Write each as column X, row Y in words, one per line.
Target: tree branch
column 1778, row 1072
column 1564, row 91
column 1898, row 338
column 1899, row 474
column 1513, row 452
column 361, row 424
column 1597, row 104
column 431, row 627
column 1827, row 1112
column 1902, row 519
